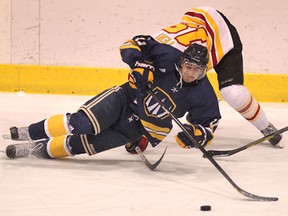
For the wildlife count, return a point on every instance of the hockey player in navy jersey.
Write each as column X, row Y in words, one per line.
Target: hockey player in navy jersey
column 124, row 113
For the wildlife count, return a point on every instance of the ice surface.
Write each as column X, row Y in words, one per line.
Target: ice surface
column 116, row 183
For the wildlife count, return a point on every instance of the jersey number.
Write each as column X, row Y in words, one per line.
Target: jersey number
column 191, row 33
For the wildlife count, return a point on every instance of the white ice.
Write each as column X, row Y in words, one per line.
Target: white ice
column 116, row 183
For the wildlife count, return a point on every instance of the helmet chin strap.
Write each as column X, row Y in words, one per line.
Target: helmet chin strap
column 180, row 74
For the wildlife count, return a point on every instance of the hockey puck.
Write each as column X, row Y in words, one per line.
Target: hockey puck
column 205, row 208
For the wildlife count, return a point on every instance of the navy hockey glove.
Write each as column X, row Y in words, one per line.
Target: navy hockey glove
column 141, row 75
column 142, row 143
column 201, row 135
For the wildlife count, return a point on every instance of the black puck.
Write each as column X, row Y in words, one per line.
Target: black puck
column 205, row 208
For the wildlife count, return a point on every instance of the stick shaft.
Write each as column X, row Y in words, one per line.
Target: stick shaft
column 225, row 153
column 218, row 167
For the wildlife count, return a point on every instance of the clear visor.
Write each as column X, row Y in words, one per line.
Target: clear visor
column 194, row 65
column 198, row 70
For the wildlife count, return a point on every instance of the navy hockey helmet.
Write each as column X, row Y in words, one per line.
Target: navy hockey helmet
column 195, row 54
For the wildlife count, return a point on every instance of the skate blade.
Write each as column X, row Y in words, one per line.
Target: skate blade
column 280, row 145
column 6, row 136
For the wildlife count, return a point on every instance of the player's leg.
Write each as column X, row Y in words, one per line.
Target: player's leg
column 82, row 122
column 45, row 148
column 230, row 78
column 53, row 126
column 104, row 122
column 119, row 134
column 125, row 129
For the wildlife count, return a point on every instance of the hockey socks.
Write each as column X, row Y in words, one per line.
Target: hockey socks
column 239, row 98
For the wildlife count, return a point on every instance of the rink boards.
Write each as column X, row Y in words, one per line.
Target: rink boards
column 90, row 81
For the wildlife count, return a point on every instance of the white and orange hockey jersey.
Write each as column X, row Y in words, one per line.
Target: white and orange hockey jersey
column 203, row 25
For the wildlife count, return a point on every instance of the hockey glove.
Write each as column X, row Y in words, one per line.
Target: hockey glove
column 142, row 143
column 201, row 135
column 141, row 76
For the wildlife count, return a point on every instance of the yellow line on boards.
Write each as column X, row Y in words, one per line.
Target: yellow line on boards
column 91, row 81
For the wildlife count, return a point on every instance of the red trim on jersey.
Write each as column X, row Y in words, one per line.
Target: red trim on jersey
column 210, row 31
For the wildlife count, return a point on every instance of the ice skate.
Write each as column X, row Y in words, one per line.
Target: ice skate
column 275, row 140
column 18, row 134
column 31, row 149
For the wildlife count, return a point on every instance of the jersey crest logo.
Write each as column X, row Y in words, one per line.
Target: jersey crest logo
column 154, row 109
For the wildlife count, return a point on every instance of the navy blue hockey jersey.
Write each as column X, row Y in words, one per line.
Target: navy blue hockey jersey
column 197, row 99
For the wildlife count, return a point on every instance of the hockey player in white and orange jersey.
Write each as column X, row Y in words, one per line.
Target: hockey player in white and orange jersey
column 209, row 27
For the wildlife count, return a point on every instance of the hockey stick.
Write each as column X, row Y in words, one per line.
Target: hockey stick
column 226, row 153
column 148, row 164
column 218, row 167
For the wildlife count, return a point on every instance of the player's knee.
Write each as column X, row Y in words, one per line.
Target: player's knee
column 235, row 95
column 79, row 123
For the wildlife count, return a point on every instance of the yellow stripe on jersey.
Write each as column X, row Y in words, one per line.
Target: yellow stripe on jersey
column 130, row 44
column 57, row 148
column 155, row 131
column 56, row 125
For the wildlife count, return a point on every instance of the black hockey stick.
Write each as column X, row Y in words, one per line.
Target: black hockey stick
column 218, row 167
column 226, row 153
column 148, row 164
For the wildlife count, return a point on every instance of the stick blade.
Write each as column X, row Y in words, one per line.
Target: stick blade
column 256, row 197
column 155, row 165
column 218, row 153
column 148, row 164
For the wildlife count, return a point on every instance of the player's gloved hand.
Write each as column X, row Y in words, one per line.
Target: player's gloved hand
column 142, row 143
column 141, row 75
column 202, row 135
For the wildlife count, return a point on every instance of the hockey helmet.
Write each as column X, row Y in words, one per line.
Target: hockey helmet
column 195, row 54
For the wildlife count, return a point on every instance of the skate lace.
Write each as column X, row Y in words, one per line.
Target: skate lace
column 28, row 149
column 23, row 150
column 37, row 146
column 269, row 130
column 23, row 133
column 34, row 152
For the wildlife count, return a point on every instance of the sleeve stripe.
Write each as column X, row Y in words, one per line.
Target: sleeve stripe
column 130, row 44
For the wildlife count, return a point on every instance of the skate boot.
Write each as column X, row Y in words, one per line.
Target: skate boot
column 32, row 149
column 275, row 140
column 19, row 133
